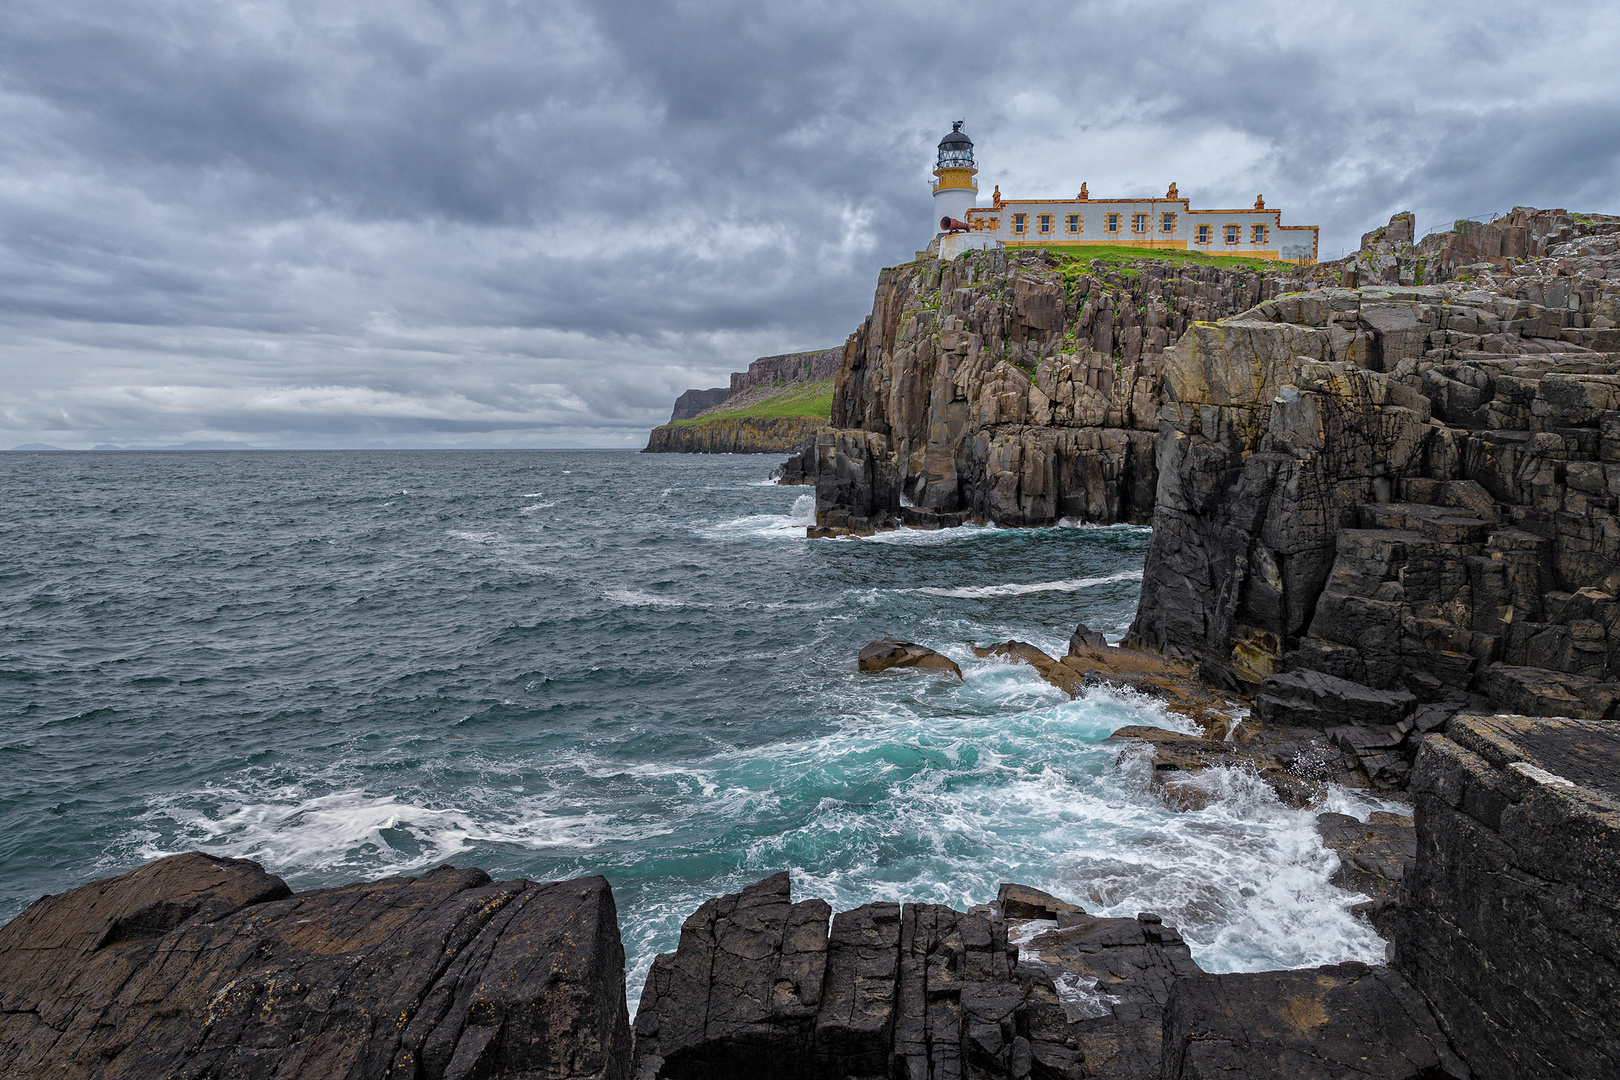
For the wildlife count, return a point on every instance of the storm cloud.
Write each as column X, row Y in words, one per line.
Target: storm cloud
column 337, row 223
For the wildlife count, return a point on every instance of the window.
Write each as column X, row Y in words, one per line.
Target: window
column 1020, row 222
column 1232, row 233
column 1258, row 234
column 1204, row 232
column 1113, row 223
column 1138, row 223
column 1167, row 223
column 1074, row 223
column 1045, row 221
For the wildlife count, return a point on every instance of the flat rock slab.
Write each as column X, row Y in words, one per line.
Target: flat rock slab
column 1327, row 1023
column 202, row 967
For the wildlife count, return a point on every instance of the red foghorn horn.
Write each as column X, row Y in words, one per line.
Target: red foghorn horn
column 950, row 224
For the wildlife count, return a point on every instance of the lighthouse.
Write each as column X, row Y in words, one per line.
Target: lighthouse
column 955, row 190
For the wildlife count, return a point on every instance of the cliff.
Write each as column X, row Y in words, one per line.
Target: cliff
column 1398, row 501
column 693, row 402
column 777, row 406
column 721, row 434
column 1022, row 387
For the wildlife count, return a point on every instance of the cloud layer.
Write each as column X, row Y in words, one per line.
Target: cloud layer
column 501, row 222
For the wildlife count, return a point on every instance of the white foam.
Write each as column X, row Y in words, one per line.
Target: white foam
column 637, row 598
column 288, row 829
column 977, row 592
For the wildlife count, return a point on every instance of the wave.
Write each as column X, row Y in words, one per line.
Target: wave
column 978, row 592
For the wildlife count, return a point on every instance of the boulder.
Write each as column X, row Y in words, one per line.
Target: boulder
column 1372, row 860
column 199, row 966
column 1024, row 902
column 889, row 653
column 1085, row 638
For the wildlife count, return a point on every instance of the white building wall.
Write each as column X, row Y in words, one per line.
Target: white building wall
column 1182, row 234
column 953, row 202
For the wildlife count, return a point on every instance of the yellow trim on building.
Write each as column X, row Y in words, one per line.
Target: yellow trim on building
column 955, row 178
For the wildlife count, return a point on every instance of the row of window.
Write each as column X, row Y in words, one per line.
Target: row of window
column 1203, row 234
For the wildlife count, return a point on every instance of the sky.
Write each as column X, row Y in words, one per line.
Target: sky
column 507, row 223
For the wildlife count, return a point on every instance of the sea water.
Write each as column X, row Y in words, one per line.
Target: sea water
column 347, row 665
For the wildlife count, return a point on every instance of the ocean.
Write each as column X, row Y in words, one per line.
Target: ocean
column 347, row 665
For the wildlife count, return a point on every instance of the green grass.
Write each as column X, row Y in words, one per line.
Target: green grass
column 799, row 399
column 1124, row 257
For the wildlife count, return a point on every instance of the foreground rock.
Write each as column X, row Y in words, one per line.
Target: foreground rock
column 761, row 986
column 889, row 653
column 1509, row 923
column 203, row 967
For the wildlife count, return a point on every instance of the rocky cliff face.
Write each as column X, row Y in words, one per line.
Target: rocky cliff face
column 800, row 367
column 1508, row 922
column 1386, row 502
column 1021, row 387
column 693, row 402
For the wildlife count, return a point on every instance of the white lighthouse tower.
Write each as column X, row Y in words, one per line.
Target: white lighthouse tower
column 955, row 190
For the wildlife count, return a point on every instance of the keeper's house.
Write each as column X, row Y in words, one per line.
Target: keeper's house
column 1166, row 223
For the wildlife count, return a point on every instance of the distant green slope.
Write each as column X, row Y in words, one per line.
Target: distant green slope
column 799, row 399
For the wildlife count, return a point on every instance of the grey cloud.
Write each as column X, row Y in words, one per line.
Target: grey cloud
column 306, row 223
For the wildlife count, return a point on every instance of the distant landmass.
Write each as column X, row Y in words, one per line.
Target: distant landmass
column 774, row 407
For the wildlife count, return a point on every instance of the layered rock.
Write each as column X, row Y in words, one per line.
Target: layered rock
column 1021, row 387
column 1393, row 255
column 1379, row 504
column 205, row 967
column 1508, row 922
column 800, row 367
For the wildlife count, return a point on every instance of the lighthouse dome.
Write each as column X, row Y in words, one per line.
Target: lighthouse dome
column 956, row 149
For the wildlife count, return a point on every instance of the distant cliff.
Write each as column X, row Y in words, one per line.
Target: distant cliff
column 693, row 402
column 736, row 435
column 777, row 406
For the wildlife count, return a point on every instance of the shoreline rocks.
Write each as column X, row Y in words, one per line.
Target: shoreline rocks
column 199, row 966
column 889, row 653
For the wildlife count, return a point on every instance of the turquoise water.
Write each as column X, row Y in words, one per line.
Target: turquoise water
column 548, row 664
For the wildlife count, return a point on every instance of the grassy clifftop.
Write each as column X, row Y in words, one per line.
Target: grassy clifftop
column 766, row 420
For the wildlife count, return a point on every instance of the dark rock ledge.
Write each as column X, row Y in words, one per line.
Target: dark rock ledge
column 199, row 967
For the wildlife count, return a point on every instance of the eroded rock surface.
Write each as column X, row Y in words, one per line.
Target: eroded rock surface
column 1344, row 1020
column 1509, row 923
column 202, row 967
column 1018, row 387
column 1378, row 506
column 761, row 986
